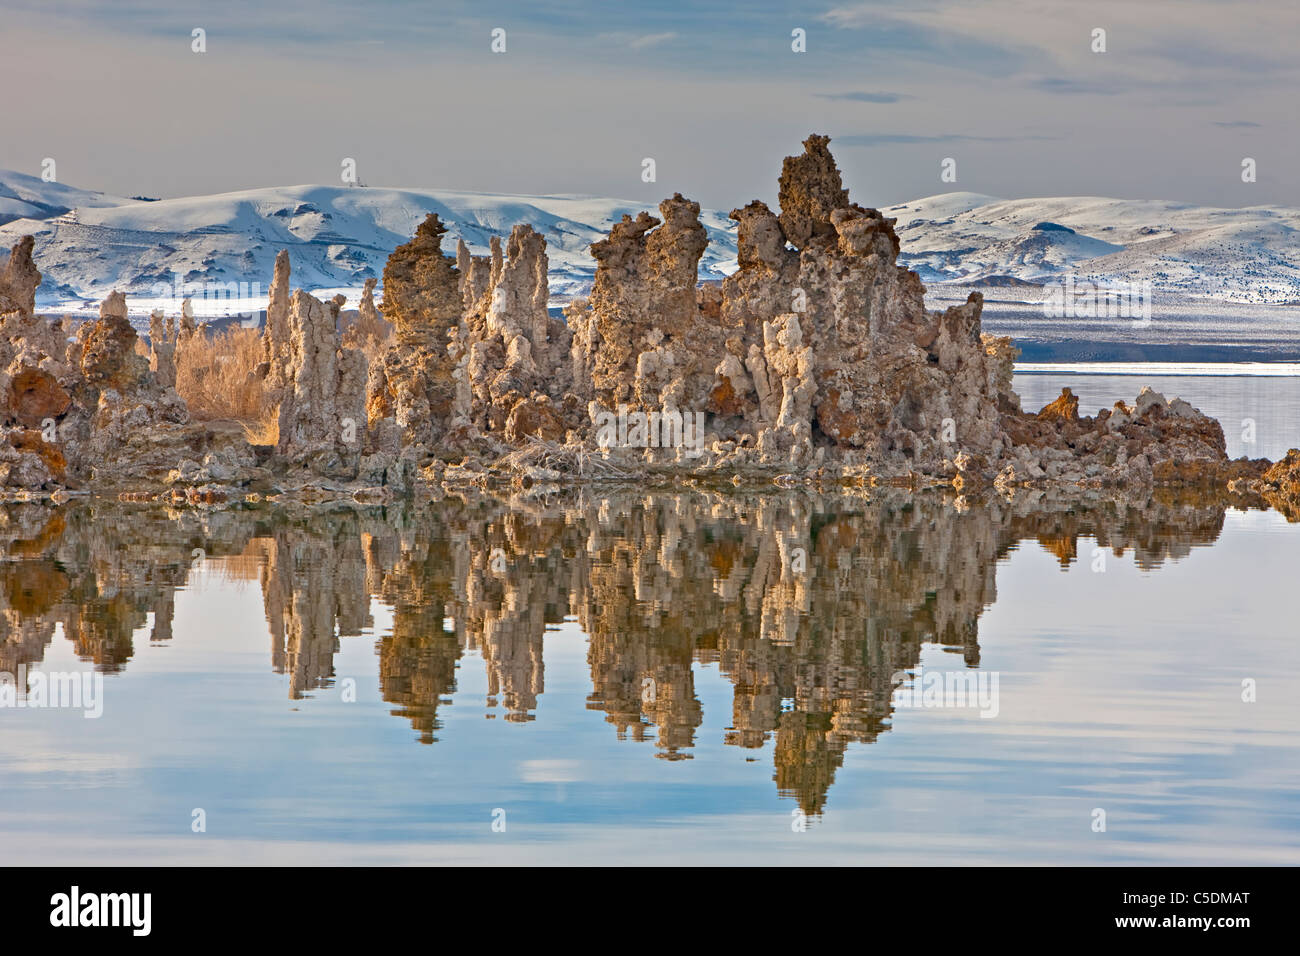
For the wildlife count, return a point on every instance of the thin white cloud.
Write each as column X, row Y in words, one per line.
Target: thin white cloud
column 651, row 39
column 636, row 41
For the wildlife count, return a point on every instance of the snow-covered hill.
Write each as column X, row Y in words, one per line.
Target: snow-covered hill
column 88, row 243
column 30, row 197
column 337, row 237
column 1249, row 255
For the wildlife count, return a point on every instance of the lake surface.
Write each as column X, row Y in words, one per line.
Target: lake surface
column 655, row 678
column 1180, row 330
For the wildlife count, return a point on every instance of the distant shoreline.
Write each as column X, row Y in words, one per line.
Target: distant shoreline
column 1148, row 369
column 1132, row 353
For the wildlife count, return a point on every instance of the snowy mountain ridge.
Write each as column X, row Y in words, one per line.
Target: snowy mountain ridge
column 88, row 244
column 1247, row 255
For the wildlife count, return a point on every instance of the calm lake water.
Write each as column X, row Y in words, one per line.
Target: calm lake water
column 654, row 678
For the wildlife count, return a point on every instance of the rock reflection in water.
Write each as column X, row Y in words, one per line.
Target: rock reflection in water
column 313, row 577
column 807, row 603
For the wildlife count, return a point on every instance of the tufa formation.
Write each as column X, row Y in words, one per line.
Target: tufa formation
column 817, row 360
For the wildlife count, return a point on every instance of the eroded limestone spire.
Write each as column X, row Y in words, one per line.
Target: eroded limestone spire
column 422, row 286
column 19, row 278
column 275, row 336
column 810, row 190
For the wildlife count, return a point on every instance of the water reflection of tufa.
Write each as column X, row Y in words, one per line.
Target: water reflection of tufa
column 806, row 603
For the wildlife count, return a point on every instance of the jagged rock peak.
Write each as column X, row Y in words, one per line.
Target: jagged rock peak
column 107, row 345
column 366, row 307
column 522, row 290
column 275, row 336
column 113, row 306
column 759, row 240
column 19, row 278
column 422, row 286
column 643, row 305
column 810, row 191
column 163, row 337
column 676, row 246
column 462, row 260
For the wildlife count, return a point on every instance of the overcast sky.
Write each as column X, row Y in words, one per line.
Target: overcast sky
column 713, row 92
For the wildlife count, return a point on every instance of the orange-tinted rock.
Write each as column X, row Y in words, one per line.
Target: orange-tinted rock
column 723, row 399
column 108, row 356
column 19, row 278
column 1063, row 409
column 379, row 397
column 1280, row 485
column 530, row 417
column 421, row 390
column 422, row 286
column 35, row 395
column 1285, row 473
column 30, row 440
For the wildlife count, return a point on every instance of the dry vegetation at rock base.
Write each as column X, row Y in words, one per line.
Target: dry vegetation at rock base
column 218, row 377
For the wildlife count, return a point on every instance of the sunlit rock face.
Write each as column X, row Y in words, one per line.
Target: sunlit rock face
column 37, row 380
column 37, row 385
column 819, row 353
column 644, row 342
column 275, row 333
column 421, row 287
column 1278, row 484
column 322, row 412
column 127, row 426
column 420, row 389
column 817, row 349
column 519, row 370
column 811, row 606
column 1155, row 440
column 107, row 417
column 479, row 360
column 19, row 278
column 836, row 338
column 810, row 193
